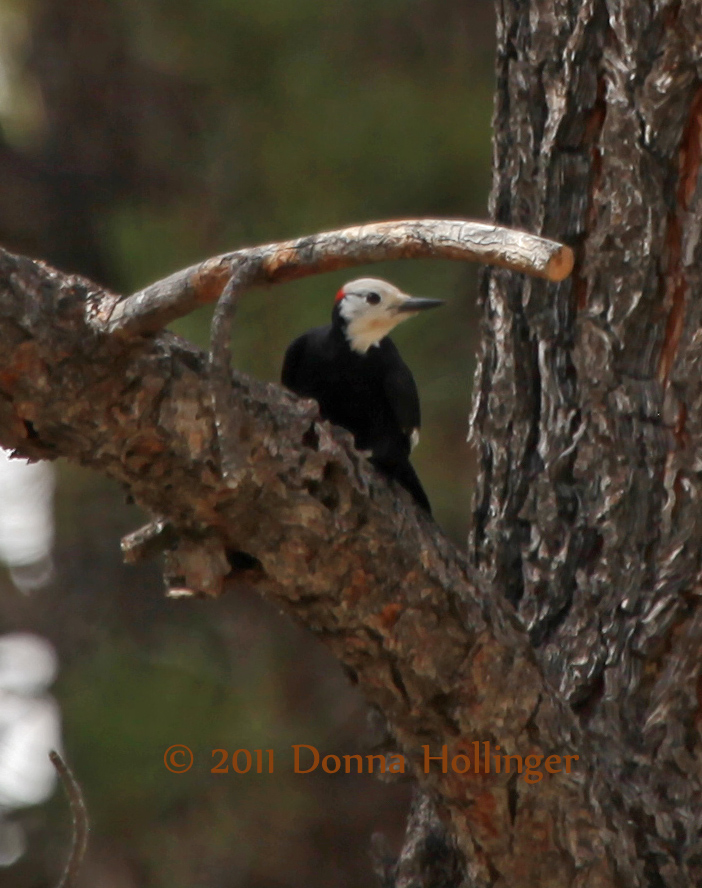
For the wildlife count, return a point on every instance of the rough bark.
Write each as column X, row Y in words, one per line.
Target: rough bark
column 588, row 400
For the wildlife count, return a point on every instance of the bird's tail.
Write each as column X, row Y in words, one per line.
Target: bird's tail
column 404, row 473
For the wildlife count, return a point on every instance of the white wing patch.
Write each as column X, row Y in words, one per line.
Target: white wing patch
column 414, row 438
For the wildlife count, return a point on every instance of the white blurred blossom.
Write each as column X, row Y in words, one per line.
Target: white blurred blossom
column 26, row 520
column 30, row 726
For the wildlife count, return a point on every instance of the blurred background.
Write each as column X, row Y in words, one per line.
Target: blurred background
column 137, row 137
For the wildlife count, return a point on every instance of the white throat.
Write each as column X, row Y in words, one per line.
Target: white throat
column 363, row 332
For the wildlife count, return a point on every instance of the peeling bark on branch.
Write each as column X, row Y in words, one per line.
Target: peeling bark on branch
column 444, row 660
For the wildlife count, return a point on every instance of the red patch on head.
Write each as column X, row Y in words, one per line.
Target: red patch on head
column 340, row 295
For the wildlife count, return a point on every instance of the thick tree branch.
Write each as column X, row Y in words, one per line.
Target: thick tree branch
column 318, row 531
column 159, row 304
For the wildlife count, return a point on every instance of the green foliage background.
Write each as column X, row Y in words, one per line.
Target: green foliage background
column 139, row 136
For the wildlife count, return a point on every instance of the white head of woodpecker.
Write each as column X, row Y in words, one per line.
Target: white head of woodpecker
column 368, row 309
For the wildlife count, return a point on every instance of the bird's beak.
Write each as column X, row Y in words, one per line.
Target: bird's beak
column 411, row 304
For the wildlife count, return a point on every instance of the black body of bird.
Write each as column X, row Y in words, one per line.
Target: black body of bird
column 356, row 375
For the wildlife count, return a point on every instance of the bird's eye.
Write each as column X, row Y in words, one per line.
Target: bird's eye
column 373, row 298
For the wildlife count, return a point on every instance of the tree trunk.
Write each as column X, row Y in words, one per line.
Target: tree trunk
column 587, row 510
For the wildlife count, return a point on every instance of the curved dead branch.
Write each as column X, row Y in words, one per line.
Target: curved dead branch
column 226, row 408
column 79, row 815
column 156, row 306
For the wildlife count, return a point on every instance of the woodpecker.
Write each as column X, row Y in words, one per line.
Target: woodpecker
column 356, row 375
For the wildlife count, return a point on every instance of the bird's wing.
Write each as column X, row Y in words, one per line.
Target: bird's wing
column 291, row 363
column 401, row 391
